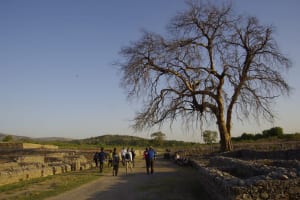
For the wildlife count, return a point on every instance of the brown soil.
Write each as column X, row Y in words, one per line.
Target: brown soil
column 169, row 181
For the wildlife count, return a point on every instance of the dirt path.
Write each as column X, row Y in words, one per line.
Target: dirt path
column 168, row 182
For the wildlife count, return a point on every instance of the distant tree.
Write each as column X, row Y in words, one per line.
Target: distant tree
column 258, row 136
column 247, row 136
column 7, row 138
column 210, row 137
column 158, row 137
column 212, row 64
column 275, row 131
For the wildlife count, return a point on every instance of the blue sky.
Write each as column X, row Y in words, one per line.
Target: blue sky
column 57, row 76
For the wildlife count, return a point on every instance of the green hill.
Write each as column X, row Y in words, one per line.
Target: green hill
column 103, row 140
column 117, row 140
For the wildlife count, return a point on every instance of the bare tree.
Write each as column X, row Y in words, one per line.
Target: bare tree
column 211, row 64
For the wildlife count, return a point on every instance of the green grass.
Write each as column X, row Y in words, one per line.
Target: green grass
column 41, row 188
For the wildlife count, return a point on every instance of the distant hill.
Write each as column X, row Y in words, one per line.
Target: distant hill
column 49, row 139
column 30, row 139
column 115, row 140
column 15, row 137
column 105, row 140
column 128, row 141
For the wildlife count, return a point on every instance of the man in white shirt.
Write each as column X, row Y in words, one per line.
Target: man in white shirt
column 123, row 154
column 128, row 160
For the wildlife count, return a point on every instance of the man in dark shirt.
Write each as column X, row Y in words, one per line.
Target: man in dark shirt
column 102, row 156
column 151, row 157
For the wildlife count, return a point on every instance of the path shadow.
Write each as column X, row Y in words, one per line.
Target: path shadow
column 168, row 182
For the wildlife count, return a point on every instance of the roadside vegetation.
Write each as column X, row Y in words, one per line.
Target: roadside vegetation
column 40, row 188
column 158, row 140
column 272, row 134
column 109, row 141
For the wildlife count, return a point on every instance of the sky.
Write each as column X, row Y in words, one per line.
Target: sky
column 57, row 77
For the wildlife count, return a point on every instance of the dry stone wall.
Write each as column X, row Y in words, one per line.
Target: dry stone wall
column 24, row 164
column 271, row 175
column 19, row 146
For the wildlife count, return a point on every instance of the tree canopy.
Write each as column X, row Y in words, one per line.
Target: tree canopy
column 210, row 137
column 158, row 135
column 212, row 64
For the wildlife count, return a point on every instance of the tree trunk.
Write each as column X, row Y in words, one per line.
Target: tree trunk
column 226, row 144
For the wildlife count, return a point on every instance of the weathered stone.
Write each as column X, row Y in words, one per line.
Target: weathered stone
column 234, row 178
column 264, row 195
column 283, row 177
column 20, row 145
column 39, row 163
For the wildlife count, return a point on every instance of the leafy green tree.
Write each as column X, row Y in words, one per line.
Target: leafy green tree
column 210, row 137
column 247, row 136
column 158, row 138
column 7, row 138
column 273, row 132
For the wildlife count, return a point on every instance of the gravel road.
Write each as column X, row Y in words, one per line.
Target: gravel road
column 169, row 181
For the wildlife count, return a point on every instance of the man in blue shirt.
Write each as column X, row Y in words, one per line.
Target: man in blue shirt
column 102, row 157
column 151, row 157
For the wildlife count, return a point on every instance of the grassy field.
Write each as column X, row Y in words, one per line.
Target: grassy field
column 41, row 188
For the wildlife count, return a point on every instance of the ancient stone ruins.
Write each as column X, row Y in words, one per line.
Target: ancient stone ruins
column 270, row 171
column 23, row 161
column 252, row 171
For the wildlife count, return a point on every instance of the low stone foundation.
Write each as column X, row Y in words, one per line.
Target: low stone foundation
column 19, row 165
column 21, row 173
column 232, row 178
column 21, row 145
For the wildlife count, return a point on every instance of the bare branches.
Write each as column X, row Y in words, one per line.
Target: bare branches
column 211, row 64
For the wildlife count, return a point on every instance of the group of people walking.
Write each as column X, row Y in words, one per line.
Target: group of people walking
column 126, row 157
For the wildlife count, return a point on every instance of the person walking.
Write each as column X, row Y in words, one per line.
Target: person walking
column 96, row 157
column 133, row 157
column 151, row 157
column 123, row 153
column 147, row 160
column 115, row 162
column 128, row 160
column 110, row 158
column 102, row 157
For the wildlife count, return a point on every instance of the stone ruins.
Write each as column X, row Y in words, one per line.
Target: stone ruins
column 252, row 171
column 261, row 172
column 23, row 161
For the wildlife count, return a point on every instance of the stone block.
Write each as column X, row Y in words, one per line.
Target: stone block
column 46, row 171
column 31, row 159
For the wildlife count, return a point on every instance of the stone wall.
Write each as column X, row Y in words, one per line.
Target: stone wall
column 19, row 165
column 250, row 154
column 30, row 159
column 232, row 178
column 20, row 145
column 287, row 150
